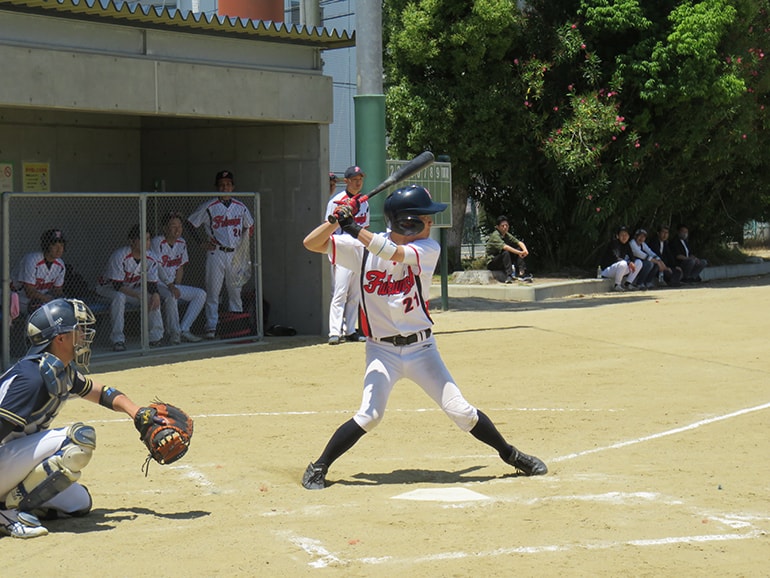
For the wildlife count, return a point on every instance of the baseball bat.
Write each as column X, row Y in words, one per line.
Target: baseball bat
column 414, row 166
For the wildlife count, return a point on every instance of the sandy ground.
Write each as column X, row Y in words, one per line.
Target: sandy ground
column 651, row 410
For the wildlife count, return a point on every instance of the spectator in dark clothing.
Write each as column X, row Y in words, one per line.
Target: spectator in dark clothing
column 685, row 258
column 672, row 273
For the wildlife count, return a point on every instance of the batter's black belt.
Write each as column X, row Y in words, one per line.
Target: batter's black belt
column 401, row 340
column 225, row 249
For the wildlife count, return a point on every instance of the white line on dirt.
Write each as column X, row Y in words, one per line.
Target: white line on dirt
column 674, row 431
column 322, row 558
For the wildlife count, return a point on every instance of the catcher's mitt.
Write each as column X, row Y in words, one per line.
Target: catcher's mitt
column 165, row 430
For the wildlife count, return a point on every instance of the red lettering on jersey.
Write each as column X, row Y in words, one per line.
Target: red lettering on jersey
column 220, row 221
column 380, row 283
column 166, row 261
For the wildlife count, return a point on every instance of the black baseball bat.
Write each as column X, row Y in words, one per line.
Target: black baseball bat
column 413, row 167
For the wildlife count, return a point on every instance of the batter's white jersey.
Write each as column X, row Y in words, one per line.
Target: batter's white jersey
column 36, row 271
column 226, row 223
column 123, row 268
column 362, row 217
column 392, row 294
column 170, row 257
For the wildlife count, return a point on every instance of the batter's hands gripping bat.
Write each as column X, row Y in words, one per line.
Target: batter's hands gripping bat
column 413, row 167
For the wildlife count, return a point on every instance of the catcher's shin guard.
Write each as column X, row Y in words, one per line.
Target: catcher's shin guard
column 56, row 473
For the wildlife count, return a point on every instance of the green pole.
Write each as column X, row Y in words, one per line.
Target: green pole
column 444, row 270
column 370, row 151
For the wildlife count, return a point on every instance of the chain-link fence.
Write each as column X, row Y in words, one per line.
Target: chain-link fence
column 158, row 270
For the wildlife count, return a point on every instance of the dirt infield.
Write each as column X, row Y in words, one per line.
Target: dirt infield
column 651, row 410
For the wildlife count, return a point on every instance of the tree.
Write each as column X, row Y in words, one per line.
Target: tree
column 573, row 117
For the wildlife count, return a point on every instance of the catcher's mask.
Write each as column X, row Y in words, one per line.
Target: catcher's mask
column 403, row 207
column 62, row 316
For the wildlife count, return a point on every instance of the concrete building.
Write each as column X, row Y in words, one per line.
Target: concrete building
column 116, row 97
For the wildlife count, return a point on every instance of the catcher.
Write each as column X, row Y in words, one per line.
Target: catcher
column 40, row 467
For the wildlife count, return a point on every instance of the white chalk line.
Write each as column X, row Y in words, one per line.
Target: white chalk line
column 392, row 410
column 323, row 558
column 662, row 434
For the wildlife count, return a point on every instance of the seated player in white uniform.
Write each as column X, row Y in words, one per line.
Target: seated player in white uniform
column 40, row 467
column 395, row 270
column 40, row 274
column 171, row 251
column 122, row 284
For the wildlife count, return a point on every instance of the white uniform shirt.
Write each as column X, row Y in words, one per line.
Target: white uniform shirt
column 170, row 257
column 392, row 294
column 225, row 225
column 362, row 217
column 123, row 268
column 34, row 270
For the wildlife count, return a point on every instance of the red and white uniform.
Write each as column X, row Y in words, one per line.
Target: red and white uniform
column 36, row 271
column 345, row 291
column 170, row 258
column 393, row 304
column 227, row 224
column 123, row 269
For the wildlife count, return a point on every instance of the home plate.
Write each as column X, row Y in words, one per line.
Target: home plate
column 442, row 495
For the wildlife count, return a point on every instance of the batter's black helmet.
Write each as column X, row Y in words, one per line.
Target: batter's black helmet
column 403, row 206
column 62, row 316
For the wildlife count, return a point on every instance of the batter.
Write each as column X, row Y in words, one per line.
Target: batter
column 394, row 271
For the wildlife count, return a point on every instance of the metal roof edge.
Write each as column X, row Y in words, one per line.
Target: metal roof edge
column 170, row 18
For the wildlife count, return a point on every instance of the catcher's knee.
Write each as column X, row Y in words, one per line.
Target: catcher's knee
column 56, row 473
column 462, row 413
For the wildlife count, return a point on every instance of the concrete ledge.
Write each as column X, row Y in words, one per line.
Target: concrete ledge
column 487, row 285
column 733, row 271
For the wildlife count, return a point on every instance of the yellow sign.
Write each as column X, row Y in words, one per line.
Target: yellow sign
column 36, row 177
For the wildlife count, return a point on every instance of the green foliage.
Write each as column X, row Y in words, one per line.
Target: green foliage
column 573, row 117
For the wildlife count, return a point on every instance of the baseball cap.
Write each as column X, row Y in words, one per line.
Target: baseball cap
column 353, row 171
column 224, row 175
column 50, row 237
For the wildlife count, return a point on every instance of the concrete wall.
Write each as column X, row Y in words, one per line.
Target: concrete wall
column 124, row 109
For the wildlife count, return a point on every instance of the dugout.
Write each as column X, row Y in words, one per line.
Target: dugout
column 114, row 97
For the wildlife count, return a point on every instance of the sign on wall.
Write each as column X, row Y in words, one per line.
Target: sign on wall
column 36, row 177
column 437, row 178
column 6, row 177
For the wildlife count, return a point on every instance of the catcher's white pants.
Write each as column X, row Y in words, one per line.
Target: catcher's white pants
column 419, row 362
column 118, row 314
column 220, row 270
column 195, row 298
column 343, row 310
column 20, row 456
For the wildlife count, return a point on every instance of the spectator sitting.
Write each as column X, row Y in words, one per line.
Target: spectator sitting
column 40, row 275
column 503, row 249
column 672, row 274
column 651, row 264
column 690, row 264
column 171, row 251
column 617, row 263
column 122, row 283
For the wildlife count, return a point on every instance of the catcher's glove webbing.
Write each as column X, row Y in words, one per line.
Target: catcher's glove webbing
column 166, row 430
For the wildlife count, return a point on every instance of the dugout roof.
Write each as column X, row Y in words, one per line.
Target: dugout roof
column 172, row 19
